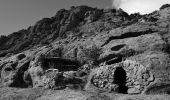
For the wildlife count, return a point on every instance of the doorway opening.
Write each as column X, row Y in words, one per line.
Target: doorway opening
column 120, row 80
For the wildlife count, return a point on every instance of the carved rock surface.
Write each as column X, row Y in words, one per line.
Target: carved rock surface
column 96, row 50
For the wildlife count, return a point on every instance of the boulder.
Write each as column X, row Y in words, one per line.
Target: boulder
column 36, row 70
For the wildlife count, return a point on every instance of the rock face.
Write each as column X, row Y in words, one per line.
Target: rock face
column 91, row 49
column 128, row 76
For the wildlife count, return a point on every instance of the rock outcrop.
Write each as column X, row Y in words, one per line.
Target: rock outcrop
column 91, row 49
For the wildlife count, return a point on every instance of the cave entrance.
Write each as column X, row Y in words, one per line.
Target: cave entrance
column 61, row 64
column 120, row 79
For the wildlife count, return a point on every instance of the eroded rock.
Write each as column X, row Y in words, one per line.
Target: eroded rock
column 129, row 76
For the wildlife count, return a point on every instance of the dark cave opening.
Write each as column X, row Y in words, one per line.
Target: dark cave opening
column 114, row 60
column 118, row 47
column 128, row 35
column 61, row 64
column 120, row 80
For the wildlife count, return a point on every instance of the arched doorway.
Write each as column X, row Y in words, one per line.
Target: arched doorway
column 120, row 79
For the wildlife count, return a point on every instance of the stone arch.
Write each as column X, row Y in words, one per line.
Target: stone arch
column 128, row 76
column 120, row 79
column 138, row 77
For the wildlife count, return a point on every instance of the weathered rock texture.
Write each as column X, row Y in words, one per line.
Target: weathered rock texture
column 127, row 76
column 97, row 50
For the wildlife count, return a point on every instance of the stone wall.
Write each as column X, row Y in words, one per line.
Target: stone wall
column 137, row 77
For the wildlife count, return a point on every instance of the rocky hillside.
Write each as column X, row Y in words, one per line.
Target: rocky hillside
column 61, row 26
column 92, row 51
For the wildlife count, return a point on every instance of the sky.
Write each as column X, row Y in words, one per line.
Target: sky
column 142, row 6
column 20, row 14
